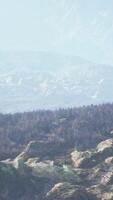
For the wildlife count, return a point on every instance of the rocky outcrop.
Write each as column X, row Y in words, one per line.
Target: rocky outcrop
column 89, row 178
column 105, row 145
column 89, row 159
column 68, row 191
column 80, row 159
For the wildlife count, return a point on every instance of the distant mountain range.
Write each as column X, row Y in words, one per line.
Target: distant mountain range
column 41, row 80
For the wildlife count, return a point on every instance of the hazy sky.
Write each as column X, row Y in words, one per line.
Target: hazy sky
column 79, row 27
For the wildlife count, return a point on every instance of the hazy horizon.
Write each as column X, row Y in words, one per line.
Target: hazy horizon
column 51, row 53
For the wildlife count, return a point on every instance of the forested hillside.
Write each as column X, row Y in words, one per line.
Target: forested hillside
column 65, row 154
column 55, row 131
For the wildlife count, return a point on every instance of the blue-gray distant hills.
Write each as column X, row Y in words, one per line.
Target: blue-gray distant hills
column 42, row 80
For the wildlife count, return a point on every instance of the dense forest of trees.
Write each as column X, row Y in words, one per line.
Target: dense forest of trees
column 81, row 127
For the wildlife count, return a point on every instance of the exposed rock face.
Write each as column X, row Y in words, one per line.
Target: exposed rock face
column 90, row 177
column 88, row 159
column 79, row 158
column 105, row 145
column 70, row 192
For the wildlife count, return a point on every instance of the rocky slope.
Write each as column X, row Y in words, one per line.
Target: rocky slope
column 87, row 176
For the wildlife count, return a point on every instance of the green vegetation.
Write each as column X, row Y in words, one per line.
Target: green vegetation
column 57, row 154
